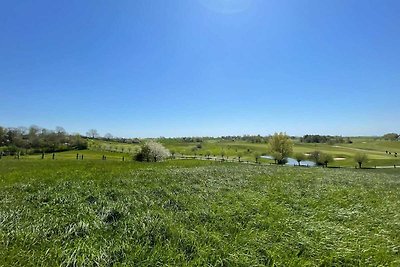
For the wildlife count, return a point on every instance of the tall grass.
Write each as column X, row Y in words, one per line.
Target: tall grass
column 195, row 213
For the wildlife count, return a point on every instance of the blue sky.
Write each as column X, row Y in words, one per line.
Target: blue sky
column 151, row 68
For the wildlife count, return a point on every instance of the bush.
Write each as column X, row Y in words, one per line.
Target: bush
column 152, row 152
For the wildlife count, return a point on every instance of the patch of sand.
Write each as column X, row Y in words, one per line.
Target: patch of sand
column 339, row 158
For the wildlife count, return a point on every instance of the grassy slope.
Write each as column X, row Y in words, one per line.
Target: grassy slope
column 195, row 213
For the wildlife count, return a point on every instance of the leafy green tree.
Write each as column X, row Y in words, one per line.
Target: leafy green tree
column 325, row 159
column 299, row 157
column 280, row 147
column 3, row 132
column 391, row 136
column 315, row 156
column 360, row 158
column 276, row 157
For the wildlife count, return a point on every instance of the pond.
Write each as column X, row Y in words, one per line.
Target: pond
column 292, row 161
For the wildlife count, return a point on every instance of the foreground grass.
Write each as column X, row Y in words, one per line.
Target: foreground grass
column 181, row 213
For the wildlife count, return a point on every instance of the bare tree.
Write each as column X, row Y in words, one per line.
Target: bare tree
column 108, row 136
column 92, row 133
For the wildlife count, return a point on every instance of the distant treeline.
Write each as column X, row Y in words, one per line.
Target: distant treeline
column 35, row 140
column 248, row 138
column 311, row 138
column 93, row 134
column 120, row 140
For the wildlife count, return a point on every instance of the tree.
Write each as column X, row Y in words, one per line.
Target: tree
column 360, row 158
column 152, row 151
column 280, row 147
column 315, row 156
column 276, row 157
column 325, row 159
column 3, row 132
column 391, row 136
column 299, row 157
column 108, row 136
column 78, row 142
column 92, row 133
column 60, row 130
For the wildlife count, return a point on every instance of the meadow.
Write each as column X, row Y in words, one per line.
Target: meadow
column 90, row 212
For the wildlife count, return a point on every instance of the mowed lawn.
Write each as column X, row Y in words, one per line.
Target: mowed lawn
column 342, row 153
column 195, row 213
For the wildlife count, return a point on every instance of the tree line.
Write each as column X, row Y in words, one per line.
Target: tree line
column 23, row 140
column 94, row 134
column 316, row 138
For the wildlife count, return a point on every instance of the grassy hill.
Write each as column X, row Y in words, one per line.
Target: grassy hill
column 195, row 213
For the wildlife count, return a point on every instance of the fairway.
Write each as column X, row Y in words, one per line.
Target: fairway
column 343, row 153
column 195, row 213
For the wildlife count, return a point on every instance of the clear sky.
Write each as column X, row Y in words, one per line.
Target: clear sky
column 148, row 68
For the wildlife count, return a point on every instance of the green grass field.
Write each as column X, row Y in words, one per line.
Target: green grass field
column 194, row 213
column 344, row 153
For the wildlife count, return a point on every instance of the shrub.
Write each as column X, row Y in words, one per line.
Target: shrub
column 152, row 152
